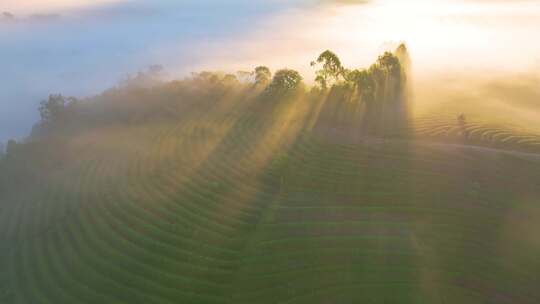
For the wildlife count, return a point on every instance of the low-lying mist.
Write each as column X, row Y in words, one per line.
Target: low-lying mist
column 84, row 47
column 477, row 58
column 512, row 99
column 472, row 57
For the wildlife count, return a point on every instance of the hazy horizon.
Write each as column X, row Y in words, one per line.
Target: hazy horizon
column 269, row 151
column 81, row 48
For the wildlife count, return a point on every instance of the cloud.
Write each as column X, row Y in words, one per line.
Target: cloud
column 43, row 17
column 346, row 2
column 83, row 49
column 7, row 17
column 90, row 48
column 29, row 7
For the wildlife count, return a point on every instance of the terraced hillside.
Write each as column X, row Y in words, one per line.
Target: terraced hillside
column 449, row 128
column 248, row 206
column 224, row 195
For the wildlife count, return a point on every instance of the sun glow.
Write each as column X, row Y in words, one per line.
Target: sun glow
column 443, row 35
column 473, row 33
column 48, row 6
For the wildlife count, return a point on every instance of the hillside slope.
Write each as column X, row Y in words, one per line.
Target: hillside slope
column 193, row 192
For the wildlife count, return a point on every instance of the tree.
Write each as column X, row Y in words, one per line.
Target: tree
column 462, row 124
column 331, row 68
column 387, row 75
column 229, row 80
column 363, row 81
column 11, row 147
column 285, row 80
column 402, row 53
column 262, row 75
column 244, row 76
column 389, row 63
column 205, row 77
column 54, row 109
column 146, row 78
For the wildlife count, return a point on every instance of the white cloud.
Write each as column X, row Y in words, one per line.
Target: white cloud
column 29, row 7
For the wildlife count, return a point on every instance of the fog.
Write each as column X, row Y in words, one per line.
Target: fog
column 476, row 51
column 83, row 47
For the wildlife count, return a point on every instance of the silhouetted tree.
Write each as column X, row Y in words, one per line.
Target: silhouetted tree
column 11, row 147
column 229, row 80
column 378, row 76
column 262, row 75
column 331, row 69
column 363, row 82
column 244, row 76
column 54, row 110
column 387, row 74
column 205, row 77
column 285, row 80
column 402, row 53
column 146, row 78
column 389, row 63
column 462, row 124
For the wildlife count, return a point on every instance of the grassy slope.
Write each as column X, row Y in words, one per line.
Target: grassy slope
column 240, row 201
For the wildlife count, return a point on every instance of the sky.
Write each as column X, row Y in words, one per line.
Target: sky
column 81, row 47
